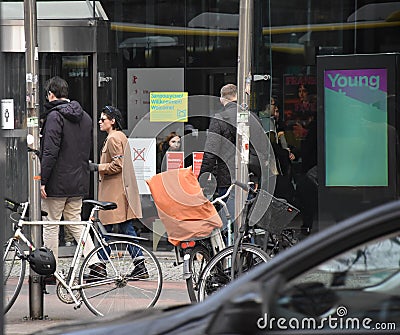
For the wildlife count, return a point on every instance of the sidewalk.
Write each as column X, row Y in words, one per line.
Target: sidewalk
column 17, row 320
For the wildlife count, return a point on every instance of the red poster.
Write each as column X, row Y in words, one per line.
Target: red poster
column 174, row 160
column 300, row 98
column 197, row 160
column 300, row 106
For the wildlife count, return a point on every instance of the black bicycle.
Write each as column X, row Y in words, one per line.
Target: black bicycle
column 244, row 255
column 195, row 254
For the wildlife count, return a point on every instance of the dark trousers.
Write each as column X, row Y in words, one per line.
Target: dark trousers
column 307, row 200
column 125, row 228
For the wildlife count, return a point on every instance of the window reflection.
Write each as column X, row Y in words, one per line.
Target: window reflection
column 365, row 280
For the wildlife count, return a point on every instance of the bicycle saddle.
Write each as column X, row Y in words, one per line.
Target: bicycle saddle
column 104, row 205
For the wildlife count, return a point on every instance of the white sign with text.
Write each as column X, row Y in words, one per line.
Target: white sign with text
column 140, row 82
column 143, row 152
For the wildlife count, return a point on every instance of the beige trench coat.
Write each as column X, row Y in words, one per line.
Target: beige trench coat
column 117, row 180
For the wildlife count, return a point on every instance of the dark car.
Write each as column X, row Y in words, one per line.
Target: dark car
column 343, row 280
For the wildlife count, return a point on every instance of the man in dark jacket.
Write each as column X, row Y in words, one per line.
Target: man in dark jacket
column 220, row 148
column 66, row 141
column 219, row 151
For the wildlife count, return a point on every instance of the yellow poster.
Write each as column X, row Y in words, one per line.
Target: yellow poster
column 168, row 107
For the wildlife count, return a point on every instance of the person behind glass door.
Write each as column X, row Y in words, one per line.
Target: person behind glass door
column 171, row 143
column 283, row 154
column 119, row 187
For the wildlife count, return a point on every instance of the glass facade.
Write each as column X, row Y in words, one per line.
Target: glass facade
column 192, row 46
column 289, row 39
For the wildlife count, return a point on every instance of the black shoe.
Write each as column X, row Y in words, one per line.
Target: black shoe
column 140, row 271
column 49, row 280
column 97, row 271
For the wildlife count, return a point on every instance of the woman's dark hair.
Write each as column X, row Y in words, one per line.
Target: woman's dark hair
column 171, row 135
column 113, row 113
column 165, row 144
column 276, row 102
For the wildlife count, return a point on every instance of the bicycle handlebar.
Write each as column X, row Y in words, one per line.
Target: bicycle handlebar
column 11, row 205
column 14, row 206
column 244, row 186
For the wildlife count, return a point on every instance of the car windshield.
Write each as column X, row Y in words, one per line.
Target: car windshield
column 360, row 283
column 366, row 265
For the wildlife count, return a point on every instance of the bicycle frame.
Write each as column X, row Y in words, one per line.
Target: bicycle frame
column 68, row 284
column 220, row 200
column 210, row 245
column 18, row 234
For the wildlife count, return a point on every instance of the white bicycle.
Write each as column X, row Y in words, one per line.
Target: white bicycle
column 118, row 290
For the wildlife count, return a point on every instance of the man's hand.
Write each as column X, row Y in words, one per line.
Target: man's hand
column 43, row 193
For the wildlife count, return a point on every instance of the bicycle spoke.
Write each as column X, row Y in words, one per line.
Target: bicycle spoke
column 132, row 280
column 102, row 293
column 217, row 272
column 13, row 273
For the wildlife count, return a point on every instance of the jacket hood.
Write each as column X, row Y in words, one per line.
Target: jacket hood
column 71, row 110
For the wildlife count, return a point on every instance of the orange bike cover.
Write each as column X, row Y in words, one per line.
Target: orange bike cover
column 185, row 212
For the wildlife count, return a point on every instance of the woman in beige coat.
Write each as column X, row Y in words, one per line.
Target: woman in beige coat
column 117, row 183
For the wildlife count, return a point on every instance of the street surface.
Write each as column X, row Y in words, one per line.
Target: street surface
column 17, row 321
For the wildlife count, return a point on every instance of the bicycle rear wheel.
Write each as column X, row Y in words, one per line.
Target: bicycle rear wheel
column 124, row 288
column 217, row 272
column 14, row 267
column 199, row 257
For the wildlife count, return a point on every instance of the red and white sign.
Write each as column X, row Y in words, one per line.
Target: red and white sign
column 174, row 160
column 197, row 160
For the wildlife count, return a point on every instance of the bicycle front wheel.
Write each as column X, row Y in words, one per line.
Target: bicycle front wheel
column 199, row 257
column 14, row 267
column 132, row 281
column 217, row 272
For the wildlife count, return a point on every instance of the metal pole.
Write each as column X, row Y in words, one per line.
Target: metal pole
column 2, row 195
column 243, row 86
column 32, row 64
